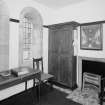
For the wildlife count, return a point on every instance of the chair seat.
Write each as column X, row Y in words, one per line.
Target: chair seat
column 46, row 76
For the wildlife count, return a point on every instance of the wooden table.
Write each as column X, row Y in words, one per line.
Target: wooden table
column 11, row 80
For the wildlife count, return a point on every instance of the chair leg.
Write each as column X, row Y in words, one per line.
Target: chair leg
column 33, row 95
column 38, row 94
column 51, row 84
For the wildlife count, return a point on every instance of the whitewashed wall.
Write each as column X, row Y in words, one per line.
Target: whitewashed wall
column 15, row 8
column 85, row 11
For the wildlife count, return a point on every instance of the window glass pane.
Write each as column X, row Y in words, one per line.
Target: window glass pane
column 27, row 32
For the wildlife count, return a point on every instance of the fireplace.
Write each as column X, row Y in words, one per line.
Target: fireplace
column 90, row 65
column 94, row 67
column 92, row 72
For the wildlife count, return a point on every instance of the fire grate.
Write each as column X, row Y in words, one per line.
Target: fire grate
column 91, row 81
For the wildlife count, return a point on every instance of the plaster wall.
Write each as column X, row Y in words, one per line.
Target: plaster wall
column 15, row 7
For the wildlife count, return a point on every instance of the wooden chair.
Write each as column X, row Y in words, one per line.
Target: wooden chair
column 45, row 77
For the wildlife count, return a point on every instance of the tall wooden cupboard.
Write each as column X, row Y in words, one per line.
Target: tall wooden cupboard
column 61, row 59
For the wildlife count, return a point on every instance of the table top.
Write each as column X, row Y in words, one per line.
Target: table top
column 11, row 79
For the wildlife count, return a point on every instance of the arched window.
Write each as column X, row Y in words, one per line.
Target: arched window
column 30, row 37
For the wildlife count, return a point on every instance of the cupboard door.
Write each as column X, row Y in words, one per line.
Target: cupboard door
column 53, row 53
column 60, row 55
column 66, row 53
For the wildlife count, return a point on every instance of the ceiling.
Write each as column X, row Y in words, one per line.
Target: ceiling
column 57, row 4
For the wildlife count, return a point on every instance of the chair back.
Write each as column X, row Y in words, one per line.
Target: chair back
column 38, row 64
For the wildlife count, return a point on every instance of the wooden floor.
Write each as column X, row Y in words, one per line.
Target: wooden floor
column 48, row 97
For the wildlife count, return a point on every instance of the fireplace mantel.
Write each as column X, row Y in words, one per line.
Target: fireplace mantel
column 80, row 58
column 79, row 71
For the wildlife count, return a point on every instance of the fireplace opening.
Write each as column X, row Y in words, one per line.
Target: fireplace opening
column 94, row 67
column 92, row 76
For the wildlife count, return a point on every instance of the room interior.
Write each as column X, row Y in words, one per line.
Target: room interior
column 77, row 17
